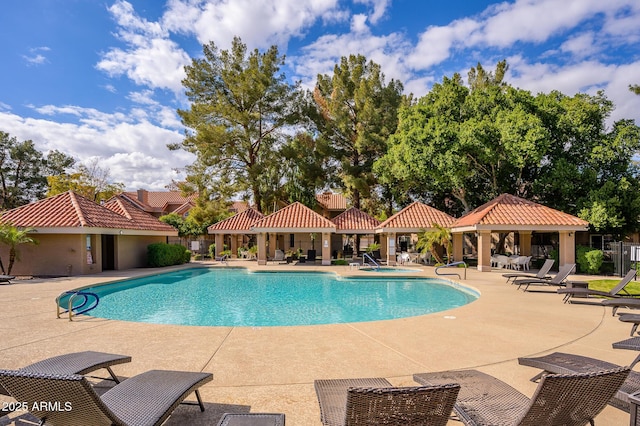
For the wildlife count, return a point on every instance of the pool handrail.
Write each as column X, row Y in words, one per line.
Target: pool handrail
column 370, row 261
column 77, row 310
column 451, row 273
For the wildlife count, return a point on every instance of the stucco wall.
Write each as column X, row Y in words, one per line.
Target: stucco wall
column 63, row 254
column 56, row 255
column 131, row 250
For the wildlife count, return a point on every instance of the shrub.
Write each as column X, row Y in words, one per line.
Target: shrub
column 339, row 262
column 162, row 254
column 589, row 261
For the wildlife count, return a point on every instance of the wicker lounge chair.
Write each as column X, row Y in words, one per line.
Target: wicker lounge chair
column 621, row 302
column 146, row 399
column 560, row 399
column 375, row 401
column 541, row 275
column 617, row 291
column 633, row 319
column 558, row 280
column 77, row 363
column 563, row 363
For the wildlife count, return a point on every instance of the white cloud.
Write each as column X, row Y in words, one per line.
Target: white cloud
column 379, row 8
column 151, row 58
column 120, row 144
column 258, row 24
column 437, row 42
column 581, row 45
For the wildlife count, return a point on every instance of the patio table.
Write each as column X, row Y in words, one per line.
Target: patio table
column 632, row 344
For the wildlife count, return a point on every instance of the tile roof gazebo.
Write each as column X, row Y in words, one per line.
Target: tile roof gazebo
column 294, row 218
column 507, row 213
column 238, row 225
column 414, row 218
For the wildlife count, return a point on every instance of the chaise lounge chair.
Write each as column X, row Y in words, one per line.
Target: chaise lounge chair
column 6, row 279
column 76, row 363
column 621, row 302
column 563, row 363
column 570, row 293
column 375, row 401
column 558, row 280
column 146, row 399
column 560, row 399
column 631, row 319
column 541, row 275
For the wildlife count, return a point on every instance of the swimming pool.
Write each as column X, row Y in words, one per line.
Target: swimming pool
column 389, row 270
column 237, row 297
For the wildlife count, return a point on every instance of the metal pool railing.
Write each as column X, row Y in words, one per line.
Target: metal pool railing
column 87, row 301
column 452, row 264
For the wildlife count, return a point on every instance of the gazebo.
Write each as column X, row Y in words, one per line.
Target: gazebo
column 237, row 226
column 353, row 222
column 508, row 213
column 296, row 220
column 414, row 218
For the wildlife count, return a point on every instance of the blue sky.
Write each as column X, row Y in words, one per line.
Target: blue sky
column 101, row 79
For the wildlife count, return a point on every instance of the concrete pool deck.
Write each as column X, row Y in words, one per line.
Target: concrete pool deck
column 271, row 369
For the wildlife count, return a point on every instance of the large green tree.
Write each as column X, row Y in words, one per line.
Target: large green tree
column 470, row 143
column 241, row 109
column 357, row 112
column 466, row 144
column 589, row 168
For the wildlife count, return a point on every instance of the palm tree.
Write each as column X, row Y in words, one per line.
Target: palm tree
column 13, row 237
column 431, row 240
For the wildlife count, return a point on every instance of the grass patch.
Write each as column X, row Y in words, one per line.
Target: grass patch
column 607, row 284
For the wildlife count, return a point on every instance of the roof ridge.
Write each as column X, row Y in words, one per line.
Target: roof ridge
column 76, row 206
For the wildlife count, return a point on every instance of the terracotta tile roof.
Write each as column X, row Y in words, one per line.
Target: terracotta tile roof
column 295, row 216
column 124, row 207
column 70, row 210
column 158, row 200
column 330, row 201
column 508, row 210
column 239, row 206
column 355, row 220
column 416, row 216
column 240, row 222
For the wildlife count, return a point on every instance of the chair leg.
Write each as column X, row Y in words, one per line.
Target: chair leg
column 633, row 329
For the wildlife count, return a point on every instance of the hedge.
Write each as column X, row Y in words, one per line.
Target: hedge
column 162, row 254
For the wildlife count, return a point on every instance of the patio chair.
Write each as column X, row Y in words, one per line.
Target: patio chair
column 541, row 275
column 618, row 291
column 375, row 401
column 77, row 363
column 560, row 399
column 558, row 280
column 6, row 279
column 146, row 399
column 503, row 261
column 564, row 363
column 621, row 302
column 632, row 319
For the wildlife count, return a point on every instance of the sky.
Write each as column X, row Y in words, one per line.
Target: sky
column 100, row 80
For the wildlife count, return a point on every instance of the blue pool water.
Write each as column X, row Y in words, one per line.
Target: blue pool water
column 236, row 297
